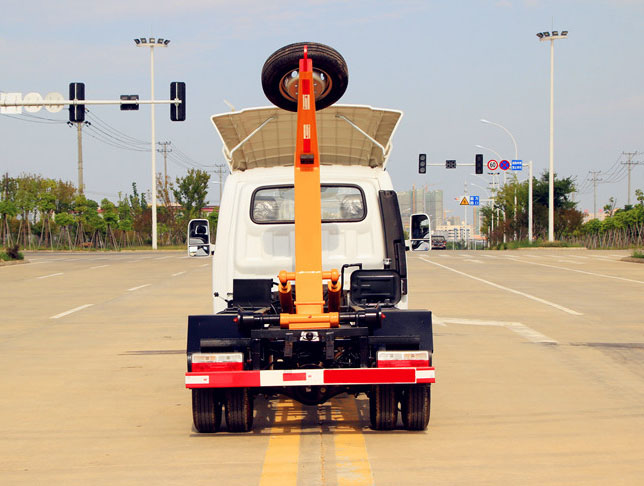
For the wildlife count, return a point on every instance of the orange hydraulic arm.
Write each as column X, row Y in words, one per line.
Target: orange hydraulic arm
column 309, row 306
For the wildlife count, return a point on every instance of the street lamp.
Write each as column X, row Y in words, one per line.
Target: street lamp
column 152, row 43
column 546, row 36
column 516, row 150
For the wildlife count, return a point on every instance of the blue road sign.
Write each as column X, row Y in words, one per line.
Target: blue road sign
column 517, row 165
column 504, row 165
column 474, row 200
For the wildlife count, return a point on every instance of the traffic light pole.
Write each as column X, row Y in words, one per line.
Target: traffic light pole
column 81, row 186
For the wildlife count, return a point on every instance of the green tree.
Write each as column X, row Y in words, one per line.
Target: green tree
column 111, row 218
column 191, row 191
column 213, row 219
column 567, row 218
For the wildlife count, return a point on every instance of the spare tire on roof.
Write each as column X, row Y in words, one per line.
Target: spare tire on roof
column 280, row 79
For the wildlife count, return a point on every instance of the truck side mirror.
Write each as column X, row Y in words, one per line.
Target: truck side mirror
column 419, row 232
column 198, row 238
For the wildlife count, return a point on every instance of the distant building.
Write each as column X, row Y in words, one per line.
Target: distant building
column 421, row 201
column 588, row 215
column 453, row 232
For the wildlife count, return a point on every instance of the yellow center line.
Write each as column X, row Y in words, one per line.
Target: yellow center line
column 352, row 461
column 281, row 460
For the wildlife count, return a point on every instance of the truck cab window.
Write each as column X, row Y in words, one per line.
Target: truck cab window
column 340, row 203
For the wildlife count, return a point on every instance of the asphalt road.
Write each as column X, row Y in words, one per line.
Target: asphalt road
column 539, row 359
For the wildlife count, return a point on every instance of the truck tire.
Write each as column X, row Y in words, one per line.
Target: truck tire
column 239, row 410
column 383, row 407
column 279, row 67
column 206, row 410
column 416, row 402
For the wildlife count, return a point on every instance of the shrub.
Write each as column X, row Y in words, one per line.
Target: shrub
column 12, row 253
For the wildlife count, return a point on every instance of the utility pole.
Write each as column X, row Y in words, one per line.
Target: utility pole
column 595, row 180
column 79, row 141
column 220, row 170
column 630, row 164
column 165, row 151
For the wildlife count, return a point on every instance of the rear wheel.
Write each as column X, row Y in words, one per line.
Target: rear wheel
column 206, row 410
column 239, row 410
column 383, row 407
column 416, row 401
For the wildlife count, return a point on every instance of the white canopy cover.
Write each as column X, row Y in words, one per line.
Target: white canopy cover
column 347, row 135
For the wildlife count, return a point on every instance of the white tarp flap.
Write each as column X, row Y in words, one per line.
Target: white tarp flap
column 347, row 135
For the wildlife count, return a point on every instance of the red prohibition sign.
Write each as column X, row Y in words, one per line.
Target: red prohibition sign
column 504, row 165
column 492, row 164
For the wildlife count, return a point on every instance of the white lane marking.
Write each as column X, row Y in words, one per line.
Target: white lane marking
column 571, row 262
column 163, row 258
column 471, row 260
column 507, row 289
column 584, row 272
column 178, row 273
column 75, row 309
column 52, row 275
column 139, row 287
column 490, row 256
column 438, row 321
column 521, row 329
column 98, row 266
column 600, row 257
column 578, row 256
column 205, row 265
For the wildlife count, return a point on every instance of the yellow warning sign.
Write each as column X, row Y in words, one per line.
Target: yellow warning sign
column 464, row 202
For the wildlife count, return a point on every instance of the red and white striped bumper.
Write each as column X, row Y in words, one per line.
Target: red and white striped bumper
column 306, row 377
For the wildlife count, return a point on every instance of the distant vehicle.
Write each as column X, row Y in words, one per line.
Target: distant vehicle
column 439, row 242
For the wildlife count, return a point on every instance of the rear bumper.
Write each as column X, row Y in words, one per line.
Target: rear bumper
column 309, row 377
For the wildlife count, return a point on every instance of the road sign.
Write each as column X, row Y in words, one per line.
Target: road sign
column 54, row 97
column 504, row 165
column 517, row 165
column 32, row 98
column 464, row 202
column 474, row 200
column 492, row 164
column 11, row 98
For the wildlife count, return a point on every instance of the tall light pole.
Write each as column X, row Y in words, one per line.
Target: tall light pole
column 152, row 43
column 552, row 37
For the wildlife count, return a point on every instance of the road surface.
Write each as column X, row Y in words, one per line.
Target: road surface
column 539, row 359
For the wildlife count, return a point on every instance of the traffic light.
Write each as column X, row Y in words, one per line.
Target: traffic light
column 478, row 162
column 77, row 112
column 129, row 106
column 450, row 164
column 422, row 163
column 178, row 91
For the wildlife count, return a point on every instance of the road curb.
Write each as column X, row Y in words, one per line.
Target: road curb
column 633, row 260
column 12, row 262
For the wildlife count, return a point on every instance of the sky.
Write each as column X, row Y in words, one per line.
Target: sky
column 445, row 64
